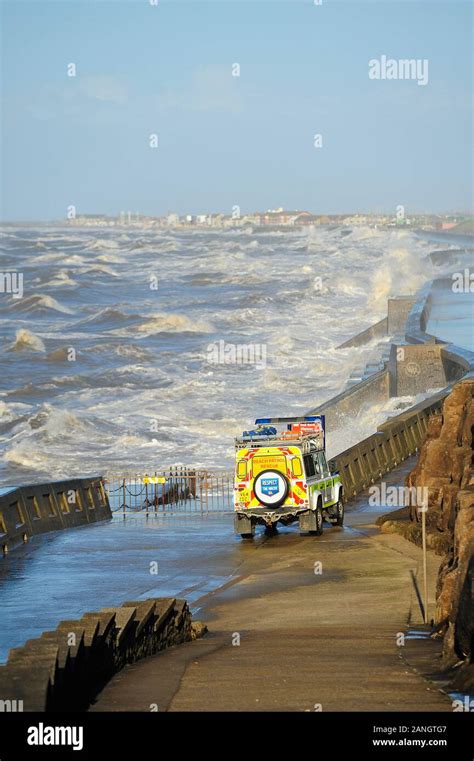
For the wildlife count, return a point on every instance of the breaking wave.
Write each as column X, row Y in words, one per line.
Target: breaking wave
column 27, row 341
column 167, row 323
column 38, row 303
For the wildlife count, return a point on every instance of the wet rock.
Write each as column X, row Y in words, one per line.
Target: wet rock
column 445, row 468
column 198, row 629
column 388, row 527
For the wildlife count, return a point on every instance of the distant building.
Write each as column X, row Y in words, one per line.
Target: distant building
column 216, row 220
column 281, row 217
column 357, row 219
column 305, row 218
column 251, row 219
column 446, row 225
column 93, row 220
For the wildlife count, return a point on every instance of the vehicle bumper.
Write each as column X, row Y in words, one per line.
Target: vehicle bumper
column 268, row 517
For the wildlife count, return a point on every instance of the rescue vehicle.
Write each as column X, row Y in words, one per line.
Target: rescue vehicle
column 282, row 476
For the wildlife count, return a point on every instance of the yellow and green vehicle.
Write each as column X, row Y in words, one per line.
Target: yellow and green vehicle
column 282, row 476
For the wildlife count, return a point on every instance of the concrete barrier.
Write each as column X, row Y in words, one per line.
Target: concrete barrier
column 415, row 329
column 65, row 669
column 379, row 330
column 36, row 509
column 398, row 309
column 348, row 402
column 419, row 362
column 414, row 368
column 395, row 440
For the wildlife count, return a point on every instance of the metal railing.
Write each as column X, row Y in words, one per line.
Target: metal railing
column 176, row 490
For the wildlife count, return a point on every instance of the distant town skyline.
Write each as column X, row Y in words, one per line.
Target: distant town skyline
column 276, row 218
column 187, row 106
column 286, row 217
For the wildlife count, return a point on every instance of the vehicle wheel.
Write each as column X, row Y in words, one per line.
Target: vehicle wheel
column 318, row 514
column 339, row 513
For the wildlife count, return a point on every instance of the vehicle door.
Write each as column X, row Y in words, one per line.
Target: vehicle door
column 327, row 480
column 313, row 473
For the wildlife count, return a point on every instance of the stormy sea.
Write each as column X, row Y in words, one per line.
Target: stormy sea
column 124, row 351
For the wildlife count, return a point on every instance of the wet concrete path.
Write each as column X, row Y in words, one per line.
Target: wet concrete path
column 283, row 637
column 67, row 573
column 63, row 574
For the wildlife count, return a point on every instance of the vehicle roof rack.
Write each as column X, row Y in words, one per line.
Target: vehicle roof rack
column 249, row 441
column 295, row 419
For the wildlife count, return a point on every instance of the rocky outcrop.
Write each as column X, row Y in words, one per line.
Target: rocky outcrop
column 445, row 468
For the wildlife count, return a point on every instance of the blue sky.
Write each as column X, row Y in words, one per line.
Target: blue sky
column 224, row 140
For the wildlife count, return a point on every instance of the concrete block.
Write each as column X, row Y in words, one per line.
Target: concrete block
column 91, row 631
column 26, row 685
column 163, row 611
column 105, row 621
column 398, row 310
column 124, row 618
column 415, row 368
column 145, row 610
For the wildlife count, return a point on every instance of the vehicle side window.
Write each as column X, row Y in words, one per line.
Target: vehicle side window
column 309, row 465
column 317, row 465
column 296, row 467
column 323, row 464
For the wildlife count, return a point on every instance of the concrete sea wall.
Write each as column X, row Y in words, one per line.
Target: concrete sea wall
column 395, row 440
column 31, row 510
column 348, row 402
column 398, row 309
column 63, row 670
column 457, row 361
column 379, row 330
column 418, row 361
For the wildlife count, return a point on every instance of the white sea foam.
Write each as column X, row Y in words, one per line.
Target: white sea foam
column 62, row 278
column 27, row 341
column 97, row 269
column 104, row 243
column 163, row 322
column 398, row 273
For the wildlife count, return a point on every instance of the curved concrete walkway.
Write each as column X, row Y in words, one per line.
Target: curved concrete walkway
column 307, row 623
